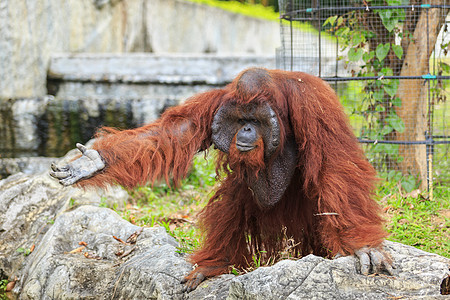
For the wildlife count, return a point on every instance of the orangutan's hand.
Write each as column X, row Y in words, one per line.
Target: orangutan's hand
column 84, row 167
column 373, row 260
column 192, row 281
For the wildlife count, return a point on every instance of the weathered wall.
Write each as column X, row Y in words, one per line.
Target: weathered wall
column 31, row 31
column 120, row 90
column 181, row 26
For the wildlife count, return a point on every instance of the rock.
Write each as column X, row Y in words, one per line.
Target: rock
column 153, row 270
column 418, row 274
column 36, row 210
column 29, row 204
column 68, row 70
column 26, row 165
column 18, row 124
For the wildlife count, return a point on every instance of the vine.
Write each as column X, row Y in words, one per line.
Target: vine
column 376, row 40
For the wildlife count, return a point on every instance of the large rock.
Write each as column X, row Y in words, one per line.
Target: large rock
column 153, row 269
column 36, row 212
column 29, row 204
column 418, row 274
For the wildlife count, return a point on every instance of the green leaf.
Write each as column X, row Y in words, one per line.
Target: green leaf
column 378, row 95
column 382, row 51
column 394, row 2
column 445, row 45
column 341, row 32
column 409, row 184
column 368, row 56
column 444, row 66
column 357, row 38
column 380, row 108
column 396, row 102
column 331, row 20
column 378, row 148
column 398, row 50
column 355, row 54
column 396, row 122
column 391, row 88
column 395, row 176
column 389, row 19
column 390, row 149
column 386, row 129
column 387, row 71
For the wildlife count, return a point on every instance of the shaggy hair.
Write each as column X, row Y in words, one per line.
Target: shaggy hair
column 327, row 207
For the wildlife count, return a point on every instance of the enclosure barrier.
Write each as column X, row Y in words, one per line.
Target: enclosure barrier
column 368, row 53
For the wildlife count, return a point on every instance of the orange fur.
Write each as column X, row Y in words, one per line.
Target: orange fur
column 161, row 150
column 246, row 163
column 327, row 208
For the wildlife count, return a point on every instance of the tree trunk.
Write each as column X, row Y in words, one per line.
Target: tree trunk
column 414, row 93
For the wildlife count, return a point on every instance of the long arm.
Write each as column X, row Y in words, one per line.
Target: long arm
column 163, row 149
column 336, row 173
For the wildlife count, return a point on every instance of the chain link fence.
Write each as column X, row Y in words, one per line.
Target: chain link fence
column 388, row 62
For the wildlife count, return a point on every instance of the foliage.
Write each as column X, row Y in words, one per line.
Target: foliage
column 252, row 10
column 376, row 41
column 24, row 251
column 378, row 101
column 3, row 284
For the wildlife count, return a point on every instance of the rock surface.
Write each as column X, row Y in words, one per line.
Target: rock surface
column 53, row 272
column 153, row 270
column 26, row 165
column 37, row 213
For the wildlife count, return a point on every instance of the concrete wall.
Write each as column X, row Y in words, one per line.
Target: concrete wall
column 118, row 90
column 31, row 31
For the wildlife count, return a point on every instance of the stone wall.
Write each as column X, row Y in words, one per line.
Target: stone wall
column 32, row 31
column 118, row 90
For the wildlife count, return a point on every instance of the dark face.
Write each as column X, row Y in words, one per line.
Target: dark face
column 243, row 127
column 248, row 123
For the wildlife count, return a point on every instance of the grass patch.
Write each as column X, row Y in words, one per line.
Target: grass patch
column 251, row 10
column 259, row 11
column 413, row 219
column 175, row 209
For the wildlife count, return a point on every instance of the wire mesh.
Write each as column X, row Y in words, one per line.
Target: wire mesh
column 388, row 62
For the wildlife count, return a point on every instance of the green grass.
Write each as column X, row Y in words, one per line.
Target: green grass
column 258, row 11
column 3, row 283
column 251, row 10
column 416, row 220
column 175, row 209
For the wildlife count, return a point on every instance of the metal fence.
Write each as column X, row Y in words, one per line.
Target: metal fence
column 388, row 62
